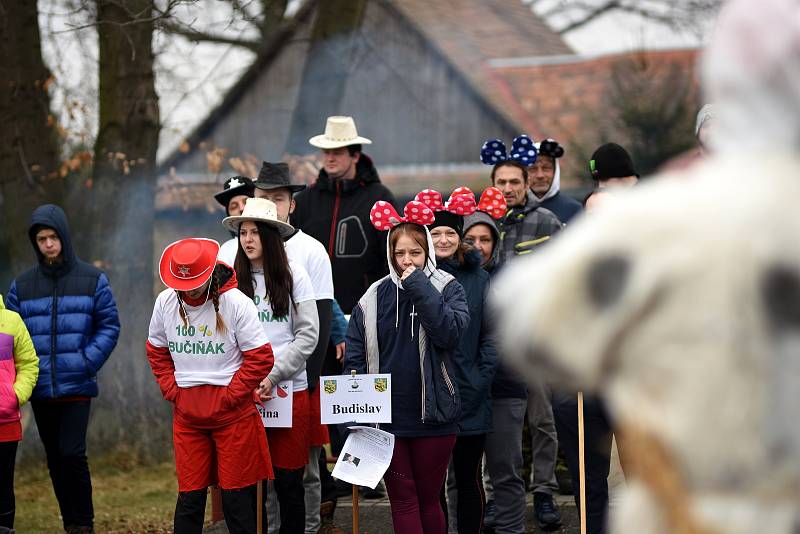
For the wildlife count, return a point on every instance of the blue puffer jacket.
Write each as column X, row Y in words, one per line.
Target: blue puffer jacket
column 476, row 360
column 69, row 311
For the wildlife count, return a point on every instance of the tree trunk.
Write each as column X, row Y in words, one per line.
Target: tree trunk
column 28, row 143
column 328, row 65
column 130, row 409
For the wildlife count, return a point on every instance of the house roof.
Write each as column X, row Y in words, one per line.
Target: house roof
column 549, row 92
column 471, row 33
column 467, row 34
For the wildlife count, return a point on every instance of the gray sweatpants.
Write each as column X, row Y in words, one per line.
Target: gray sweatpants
column 273, row 514
column 544, row 440
column 313, row 487
column 504, row 463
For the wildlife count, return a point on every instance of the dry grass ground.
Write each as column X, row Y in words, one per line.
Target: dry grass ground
column 128, row 498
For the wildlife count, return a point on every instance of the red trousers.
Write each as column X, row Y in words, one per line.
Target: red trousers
column 233, row 456
column 317, row 432
column 289, row 446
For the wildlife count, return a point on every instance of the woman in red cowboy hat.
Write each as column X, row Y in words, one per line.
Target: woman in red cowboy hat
column 409, row 324
column 209, row 353
column 287, row 310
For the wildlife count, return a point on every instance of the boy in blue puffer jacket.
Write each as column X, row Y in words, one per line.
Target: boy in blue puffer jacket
column 69, row 310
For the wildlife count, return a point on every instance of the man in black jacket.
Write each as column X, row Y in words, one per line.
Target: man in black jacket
column 335, row 211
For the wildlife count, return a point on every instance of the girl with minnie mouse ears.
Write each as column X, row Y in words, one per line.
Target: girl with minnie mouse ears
column 480, row 228
column 409, row 324
column 476, row 358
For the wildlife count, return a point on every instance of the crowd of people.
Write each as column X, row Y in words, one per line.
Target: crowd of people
column 270, row 304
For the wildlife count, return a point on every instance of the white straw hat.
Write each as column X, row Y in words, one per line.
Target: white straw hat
column 339, row 132
column 259, row 210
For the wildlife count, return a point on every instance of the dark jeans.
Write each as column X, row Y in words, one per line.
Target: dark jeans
column 470, row 500
column 62, row 429
column 291, row 497
column 8, row 453
column 597, row 447
column 325, row 478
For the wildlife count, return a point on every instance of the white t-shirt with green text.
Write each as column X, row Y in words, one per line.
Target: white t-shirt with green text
column 202, row 353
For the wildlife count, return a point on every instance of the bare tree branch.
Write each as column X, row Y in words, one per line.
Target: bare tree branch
column 671, row 13
column 136, row 18
column 202, row 36
column 590, row 16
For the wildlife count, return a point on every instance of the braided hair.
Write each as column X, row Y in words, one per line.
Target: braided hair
column 214, row 296
column 220, row 323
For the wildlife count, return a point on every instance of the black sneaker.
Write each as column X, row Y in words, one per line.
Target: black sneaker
column 373, row 494
column 343, row 489
column 546, row 512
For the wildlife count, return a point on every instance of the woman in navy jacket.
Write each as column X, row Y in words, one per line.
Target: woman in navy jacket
column 476, row 359
column 409, row 324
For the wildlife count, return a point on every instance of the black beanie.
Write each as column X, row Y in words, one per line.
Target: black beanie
column 611, row 161
column 451, row 220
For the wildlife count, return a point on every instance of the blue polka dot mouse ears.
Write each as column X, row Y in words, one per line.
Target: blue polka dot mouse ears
column 493, row 151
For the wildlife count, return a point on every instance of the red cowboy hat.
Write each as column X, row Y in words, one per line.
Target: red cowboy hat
column 187, row 264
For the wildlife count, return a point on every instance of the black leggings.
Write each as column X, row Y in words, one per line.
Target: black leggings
column 238, row 505
column 8, row 453
column 467, row 455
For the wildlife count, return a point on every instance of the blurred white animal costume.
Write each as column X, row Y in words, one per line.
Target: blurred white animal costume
column 679, row 302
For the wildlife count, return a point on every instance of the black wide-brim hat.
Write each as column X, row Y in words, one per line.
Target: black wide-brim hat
column 234, row 186
column 276, row 176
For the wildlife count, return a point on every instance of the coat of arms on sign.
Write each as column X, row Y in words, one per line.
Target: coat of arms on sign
column 381, row 384
column 329, row 386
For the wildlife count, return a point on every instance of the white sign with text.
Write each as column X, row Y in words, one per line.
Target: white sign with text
column 277, row 412
column 356, row 399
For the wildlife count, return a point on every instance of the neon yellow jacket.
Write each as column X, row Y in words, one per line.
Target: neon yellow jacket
column 19, row 365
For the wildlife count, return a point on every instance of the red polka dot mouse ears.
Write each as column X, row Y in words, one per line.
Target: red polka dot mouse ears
column 461, row 202
column 493, row 203
column 384, row 217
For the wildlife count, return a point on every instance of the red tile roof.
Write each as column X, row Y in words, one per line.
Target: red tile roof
column 562, row 97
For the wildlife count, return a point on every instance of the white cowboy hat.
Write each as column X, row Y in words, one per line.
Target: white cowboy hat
column 259, row 210
column 339, row 132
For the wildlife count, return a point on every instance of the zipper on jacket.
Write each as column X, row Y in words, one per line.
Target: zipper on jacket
column 448, row 381
column 53, row 321
column 422, row 380
column 332, row 240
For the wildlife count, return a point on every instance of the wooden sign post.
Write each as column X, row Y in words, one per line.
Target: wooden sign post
column 581, row 463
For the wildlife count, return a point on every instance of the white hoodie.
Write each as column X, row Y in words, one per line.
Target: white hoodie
column 555, row 186
column 430, row 267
